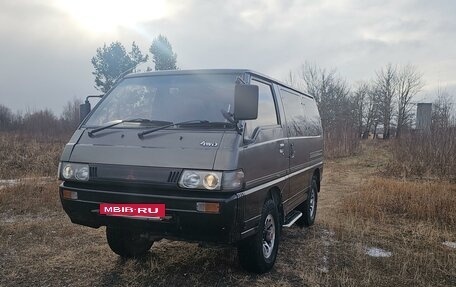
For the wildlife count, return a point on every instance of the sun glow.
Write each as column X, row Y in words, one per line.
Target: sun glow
column 104, row 16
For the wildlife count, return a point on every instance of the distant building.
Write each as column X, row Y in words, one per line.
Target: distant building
column 423, row 116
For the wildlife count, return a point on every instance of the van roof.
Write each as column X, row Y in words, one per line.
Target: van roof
column 213, row 71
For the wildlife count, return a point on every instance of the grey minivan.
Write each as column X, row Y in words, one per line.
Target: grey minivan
column 218, row 156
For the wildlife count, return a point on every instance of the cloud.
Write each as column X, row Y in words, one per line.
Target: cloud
column 46, row 50
column 45, row 59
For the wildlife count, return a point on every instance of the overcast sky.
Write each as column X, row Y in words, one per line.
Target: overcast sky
column 46, row 46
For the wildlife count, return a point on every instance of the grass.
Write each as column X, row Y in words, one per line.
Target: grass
column 410, row 218
column 22, row 155
column 359, row 207
column 386, row 199
column 429, row 155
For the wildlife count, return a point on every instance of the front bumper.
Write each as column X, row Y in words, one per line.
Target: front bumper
column 182, row 221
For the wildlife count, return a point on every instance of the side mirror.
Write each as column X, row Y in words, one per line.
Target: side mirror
column 84, row 110
column 246, row 102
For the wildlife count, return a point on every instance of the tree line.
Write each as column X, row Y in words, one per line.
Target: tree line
column 382, row 106
column 41, row 123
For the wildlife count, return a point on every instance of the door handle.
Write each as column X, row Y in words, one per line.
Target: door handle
column 281, row 150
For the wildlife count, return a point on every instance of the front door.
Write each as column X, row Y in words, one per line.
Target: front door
column 298, row 148
column 265, row 152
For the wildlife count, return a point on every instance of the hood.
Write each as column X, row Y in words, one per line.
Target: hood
column 194, row 149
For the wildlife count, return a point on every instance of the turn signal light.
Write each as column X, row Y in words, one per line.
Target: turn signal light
column 208, row 207
column 68, row 194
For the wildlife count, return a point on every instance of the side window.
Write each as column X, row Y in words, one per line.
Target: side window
column 267, row 114
column 301, row 115
column 313, row 123
column 294, row 113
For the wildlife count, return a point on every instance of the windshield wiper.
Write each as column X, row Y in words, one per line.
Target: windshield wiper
column 142, row 134
column 118, row 122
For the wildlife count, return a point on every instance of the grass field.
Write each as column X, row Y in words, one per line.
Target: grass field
column 29, row 156
column 359, row 209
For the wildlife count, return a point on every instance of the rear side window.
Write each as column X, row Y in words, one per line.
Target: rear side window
column 301, row 114
column 313, row 124
column 267, row 115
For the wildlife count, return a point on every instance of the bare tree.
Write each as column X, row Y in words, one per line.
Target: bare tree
column 386, row 87
column 291, row 80
column 360, row 105
column 70, row 114
column 409, row 83
column 310, row 75
column 442, row 110
column 330, row 92
column 6, row 117
column 336, row 109
column 42, row 122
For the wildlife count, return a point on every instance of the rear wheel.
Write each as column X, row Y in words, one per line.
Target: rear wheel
column 127, row 243
column 259, row 252
column 309, row 207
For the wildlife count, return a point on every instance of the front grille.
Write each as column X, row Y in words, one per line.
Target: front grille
column 93, row 171
column 173, row 176
column 138, row 174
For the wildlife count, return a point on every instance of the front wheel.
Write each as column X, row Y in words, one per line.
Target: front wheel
column 259, row 252
column 127, row 243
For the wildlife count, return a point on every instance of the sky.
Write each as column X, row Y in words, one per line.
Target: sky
column 46, row 46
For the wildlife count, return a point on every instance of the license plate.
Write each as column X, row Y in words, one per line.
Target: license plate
column 133, row 210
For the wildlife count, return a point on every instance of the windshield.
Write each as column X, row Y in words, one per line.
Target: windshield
column 170, row 98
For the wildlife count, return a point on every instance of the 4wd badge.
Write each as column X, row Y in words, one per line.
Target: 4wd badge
column 208, row 144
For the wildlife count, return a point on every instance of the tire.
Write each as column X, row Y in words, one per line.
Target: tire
column 126, row 243
column 259, row 252
column 309, row 207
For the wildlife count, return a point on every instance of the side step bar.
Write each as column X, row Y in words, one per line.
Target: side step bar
column 292, row 217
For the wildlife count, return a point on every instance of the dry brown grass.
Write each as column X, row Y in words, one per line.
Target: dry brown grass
column 341, row 141
column 357, row 209
column 410, row 218
column 425, row 155
column 26, row 156
column 384, row 199
column 36, row 197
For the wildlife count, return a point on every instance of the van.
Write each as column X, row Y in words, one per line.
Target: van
column 215, row 156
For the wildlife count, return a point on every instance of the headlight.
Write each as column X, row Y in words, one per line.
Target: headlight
column 190, row 179
column 212, row 180
column 200, row 179
column 68, row 171
column 75, row 171
column 82, row 173
column 58, row 170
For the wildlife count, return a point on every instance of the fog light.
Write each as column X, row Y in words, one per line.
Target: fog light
column 68, row 194
column 208, row 207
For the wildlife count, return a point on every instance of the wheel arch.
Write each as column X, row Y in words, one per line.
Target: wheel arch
column 275, row 194
column 317, row 174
